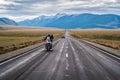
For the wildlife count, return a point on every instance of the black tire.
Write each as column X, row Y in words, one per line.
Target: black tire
column 48, row 46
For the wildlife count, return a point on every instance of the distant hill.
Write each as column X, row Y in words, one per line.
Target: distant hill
column 7, row 21
column 83, row 21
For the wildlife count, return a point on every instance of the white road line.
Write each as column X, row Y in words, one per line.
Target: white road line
column 17, row 57
column 110, row 54
column 62, row 48
column 19, row 64
column 67, row 75
column 66, row 46
column 101, row 55
column 66, row 55
column 67, row 65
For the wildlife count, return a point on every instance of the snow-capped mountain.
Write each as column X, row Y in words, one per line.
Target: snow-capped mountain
column 83, row 21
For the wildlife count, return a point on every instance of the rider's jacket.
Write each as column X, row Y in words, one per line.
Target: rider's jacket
column 49, row 37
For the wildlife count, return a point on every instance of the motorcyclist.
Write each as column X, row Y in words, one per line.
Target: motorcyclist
column 49, row 38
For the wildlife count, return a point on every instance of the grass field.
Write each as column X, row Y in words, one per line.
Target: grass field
column 110, row 38
column 15, row 39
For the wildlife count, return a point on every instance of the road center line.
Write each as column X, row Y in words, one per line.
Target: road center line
column 66, row 55
column 67, row 65
column 62, row 48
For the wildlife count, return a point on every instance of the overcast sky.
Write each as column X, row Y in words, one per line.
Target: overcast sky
column 26, row 9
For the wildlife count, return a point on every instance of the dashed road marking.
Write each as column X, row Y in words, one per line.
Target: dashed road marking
column 66, row 55
column 67, row 64
column 67, row 75
column 66, row 46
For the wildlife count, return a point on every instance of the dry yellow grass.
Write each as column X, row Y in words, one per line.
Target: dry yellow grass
column 14, row 39
column 110, row 38
column 5, row 41
column 30, row 32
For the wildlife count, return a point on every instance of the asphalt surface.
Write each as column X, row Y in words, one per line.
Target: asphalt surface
column 70, row 59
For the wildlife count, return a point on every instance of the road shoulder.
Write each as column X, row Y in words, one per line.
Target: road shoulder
column 111, row 50
column 9, row 55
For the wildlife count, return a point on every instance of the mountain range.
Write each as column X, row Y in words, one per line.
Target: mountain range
column 83, row 21
column 74, row 21
column 7, row 21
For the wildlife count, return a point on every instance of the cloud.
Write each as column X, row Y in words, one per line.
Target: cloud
column 23, row 9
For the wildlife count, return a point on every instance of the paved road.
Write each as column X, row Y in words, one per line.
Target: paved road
column 71, row 59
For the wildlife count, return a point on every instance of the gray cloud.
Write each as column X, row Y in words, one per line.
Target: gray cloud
column 31, row 1
column 22, row 9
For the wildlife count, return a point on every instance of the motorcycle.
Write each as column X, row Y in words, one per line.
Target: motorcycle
column 48, row 44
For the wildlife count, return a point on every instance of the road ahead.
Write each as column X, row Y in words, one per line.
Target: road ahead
column 71, row 59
